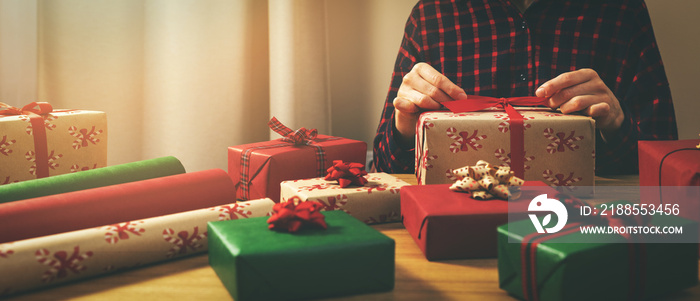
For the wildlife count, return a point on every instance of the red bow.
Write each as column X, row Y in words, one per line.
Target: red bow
column 39, row 108
column 347, row 173
column 293, row 214
column 298, row 137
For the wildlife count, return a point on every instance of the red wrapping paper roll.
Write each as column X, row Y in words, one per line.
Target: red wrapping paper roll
column 114, row 204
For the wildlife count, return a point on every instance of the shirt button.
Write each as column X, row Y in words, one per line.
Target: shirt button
column 523, row 25
column 523, row 77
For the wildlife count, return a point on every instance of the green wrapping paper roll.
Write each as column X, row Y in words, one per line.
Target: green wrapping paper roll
column 100, row 177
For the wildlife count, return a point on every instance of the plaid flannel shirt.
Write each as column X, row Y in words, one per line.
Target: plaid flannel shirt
column 490, row 48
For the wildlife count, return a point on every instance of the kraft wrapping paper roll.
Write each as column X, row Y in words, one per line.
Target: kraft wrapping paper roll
column 64, row 257
column 114, row 204
column 111, row 175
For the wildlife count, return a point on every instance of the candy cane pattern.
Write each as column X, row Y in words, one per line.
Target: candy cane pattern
column 7, row 181
column 47, row 123
column 504, row 126
column 5, row 144
column 451, row 176
column 313, row 187
column 84, row 136
column 5, row 251
column 558, row 179
column 374, row 187
column 121, row 231
column 560, row 141
column 77, row 168
column 426, row 160
column 183, row 241
column 505, row 158
column 31, row 157
column 463, row 140
column 334, row 203
column 60, row 264
column 232, row 212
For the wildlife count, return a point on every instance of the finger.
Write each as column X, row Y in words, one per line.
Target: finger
column 405, row 106
column 440, row 81
column 564, row 95
column 416, row 82
column 564, row 81
column 598, row 110
column 419, row 99
column 579, row 103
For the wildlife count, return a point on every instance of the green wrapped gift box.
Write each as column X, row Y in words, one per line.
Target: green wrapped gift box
column 255, row 263
column 567, row 268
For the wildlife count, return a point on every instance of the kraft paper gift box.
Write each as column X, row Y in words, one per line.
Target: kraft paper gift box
column 563, row 266
column 378, row 201
column 255, row 263
column 37, row 141
column 452, row 225
column 257, row 169
column 60, row 258
column 558, row 149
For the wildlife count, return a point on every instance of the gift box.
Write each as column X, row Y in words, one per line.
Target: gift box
column 452, row 225
column 93, row 178
column 37, row 141
column 259, row 168
column 255, row 263
column 378, row 201
column 669, row 163
column 551, row 147
column 562, row 266
column 114, row 204
column 35, row 262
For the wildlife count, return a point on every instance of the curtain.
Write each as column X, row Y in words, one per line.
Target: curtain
column 189, row 78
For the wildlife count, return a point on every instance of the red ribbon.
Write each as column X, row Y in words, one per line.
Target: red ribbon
column 347, row 173
column 290, row 216
column 35, row 111
column 517, row 129
column 528, row 255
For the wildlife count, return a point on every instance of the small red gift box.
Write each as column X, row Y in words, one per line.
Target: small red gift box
column 257, row 169
column 452, row 225
column 680, row 159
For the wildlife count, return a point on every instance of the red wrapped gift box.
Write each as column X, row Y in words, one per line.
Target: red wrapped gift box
column 451, row 225
column 681, row 163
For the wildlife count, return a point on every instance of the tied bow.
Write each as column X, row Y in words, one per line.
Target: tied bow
column 290, row 216
column 301, row 136
column 485, row 182
column 39, row 108
column 347, row 173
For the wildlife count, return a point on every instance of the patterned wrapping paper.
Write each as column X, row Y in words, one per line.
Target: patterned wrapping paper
column 76, row 140
column 559, row 149
column 257, row 169
column 60, row 258
column 376, row 202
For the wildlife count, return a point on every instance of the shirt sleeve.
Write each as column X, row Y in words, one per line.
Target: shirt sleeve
column 389, row 155
column 645, row 97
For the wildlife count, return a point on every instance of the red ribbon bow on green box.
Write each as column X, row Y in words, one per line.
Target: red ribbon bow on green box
column 517, row 129
column 290, row 216
column 35, row 111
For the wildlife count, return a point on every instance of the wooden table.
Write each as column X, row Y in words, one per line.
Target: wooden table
column 416, row 278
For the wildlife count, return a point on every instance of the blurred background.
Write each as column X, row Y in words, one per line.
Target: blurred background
column 190, row 78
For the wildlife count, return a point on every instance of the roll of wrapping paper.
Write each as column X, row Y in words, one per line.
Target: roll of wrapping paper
column 111, row 175
column 64, row 257
column 114, row 204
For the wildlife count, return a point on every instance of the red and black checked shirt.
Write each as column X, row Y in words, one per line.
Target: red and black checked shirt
column 490, row 48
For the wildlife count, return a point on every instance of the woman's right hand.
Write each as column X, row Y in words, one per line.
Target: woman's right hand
column 423, row 88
